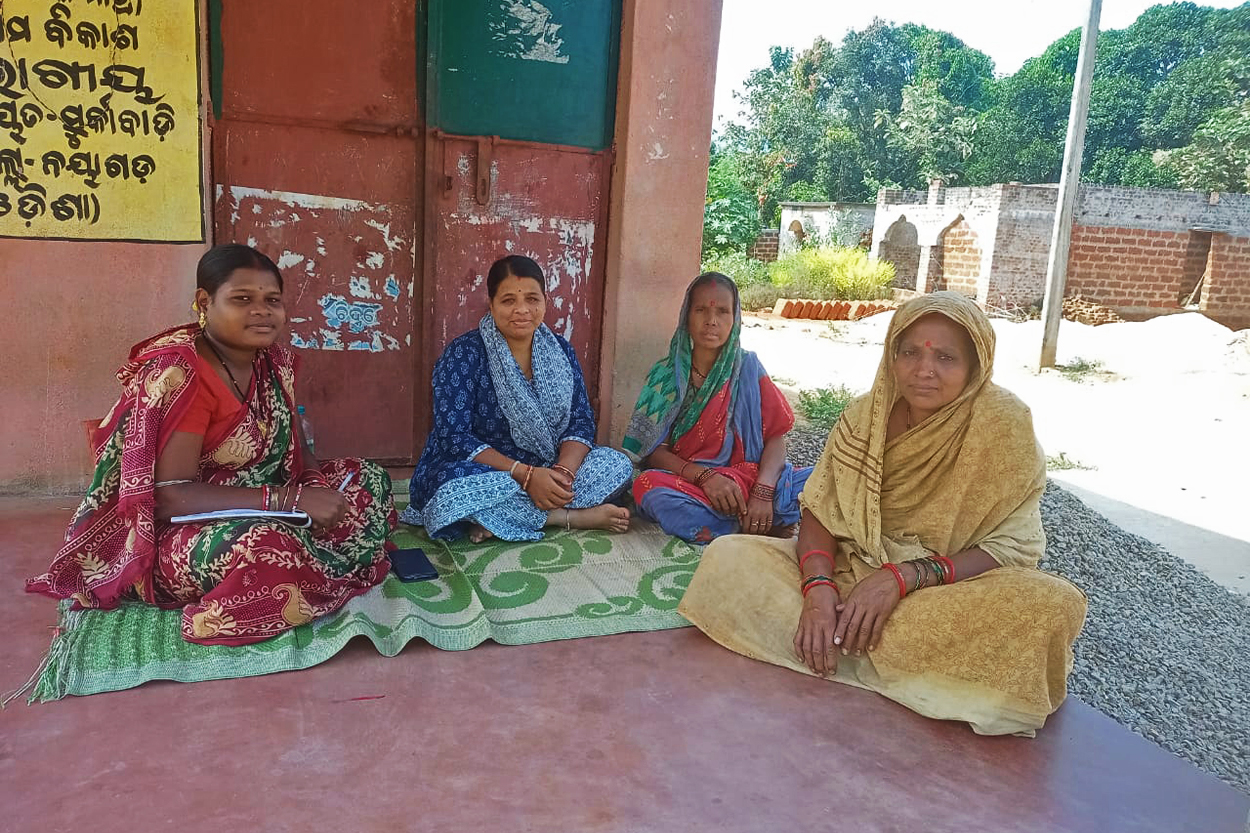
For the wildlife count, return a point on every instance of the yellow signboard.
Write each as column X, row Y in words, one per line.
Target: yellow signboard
column 99, row 120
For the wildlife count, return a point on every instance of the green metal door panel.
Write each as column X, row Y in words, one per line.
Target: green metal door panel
column 525, row 70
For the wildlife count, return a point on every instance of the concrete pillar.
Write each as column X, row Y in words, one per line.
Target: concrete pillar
column 922, row 271
column 663, row 130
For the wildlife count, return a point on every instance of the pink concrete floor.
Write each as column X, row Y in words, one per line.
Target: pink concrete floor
column 660, row 731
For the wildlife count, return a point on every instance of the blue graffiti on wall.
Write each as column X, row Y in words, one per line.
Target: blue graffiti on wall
column 357, row 315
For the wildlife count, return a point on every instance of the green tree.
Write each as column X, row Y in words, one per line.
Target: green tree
column 730, row 215
column 893, row 104
column 934, row 132
column 1020, row 136
column 1218, row 158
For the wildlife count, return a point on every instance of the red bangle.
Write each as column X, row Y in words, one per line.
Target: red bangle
column 898, row 576
column 817, row 583
column 264, row 498
column 810, row 553
column 950, row 568
column 299, row 491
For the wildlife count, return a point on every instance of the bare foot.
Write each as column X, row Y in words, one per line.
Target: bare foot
column 479, row 533
column 786, row 531
column 604, row 516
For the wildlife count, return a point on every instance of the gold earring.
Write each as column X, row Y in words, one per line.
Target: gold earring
column 203, row 319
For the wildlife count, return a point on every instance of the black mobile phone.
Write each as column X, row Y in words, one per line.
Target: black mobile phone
column 412, row 565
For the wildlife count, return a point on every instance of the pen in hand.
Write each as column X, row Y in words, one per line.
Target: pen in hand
column 346, row 481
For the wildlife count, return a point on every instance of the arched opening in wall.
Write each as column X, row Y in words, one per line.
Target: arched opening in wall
column 796, row 228
column 955, row 261
column 901, row 246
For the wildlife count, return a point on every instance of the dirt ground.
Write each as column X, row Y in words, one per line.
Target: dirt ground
column 1153, row 416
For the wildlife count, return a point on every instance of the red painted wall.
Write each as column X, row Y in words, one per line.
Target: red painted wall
column 73, row 311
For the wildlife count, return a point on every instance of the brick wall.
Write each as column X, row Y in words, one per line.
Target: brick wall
column 1226, row 293
column 1139, row 250
column 961, row 259
column 1132, row 270
column 765, row 246
column 1162, row 210
column 1021, row 245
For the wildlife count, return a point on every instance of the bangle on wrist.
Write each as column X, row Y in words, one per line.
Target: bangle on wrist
column 512, row 470
column 704, row 476
column 809, row 554
column 529, row 472
column 764, row 492
column 820, row 581
column 898, row 577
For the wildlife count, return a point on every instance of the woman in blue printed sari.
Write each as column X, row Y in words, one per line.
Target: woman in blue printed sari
column 710, row 429
column 512, row 449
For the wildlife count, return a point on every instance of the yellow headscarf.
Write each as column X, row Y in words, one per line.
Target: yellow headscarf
column 971, row 475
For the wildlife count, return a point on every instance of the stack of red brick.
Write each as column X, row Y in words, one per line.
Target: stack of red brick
column 830, row 310
column 1087, row 312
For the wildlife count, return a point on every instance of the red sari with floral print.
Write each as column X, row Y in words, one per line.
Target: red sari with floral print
column 237, row 581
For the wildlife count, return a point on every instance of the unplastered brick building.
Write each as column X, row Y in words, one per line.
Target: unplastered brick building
column 1140, row 251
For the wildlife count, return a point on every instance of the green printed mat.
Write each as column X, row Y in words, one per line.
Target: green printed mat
column 569, row 585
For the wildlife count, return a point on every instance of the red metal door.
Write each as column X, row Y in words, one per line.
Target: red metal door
column 317, row 160
column 491, row 197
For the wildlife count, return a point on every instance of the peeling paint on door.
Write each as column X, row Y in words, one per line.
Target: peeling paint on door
column 547, row 203
column 525, row 30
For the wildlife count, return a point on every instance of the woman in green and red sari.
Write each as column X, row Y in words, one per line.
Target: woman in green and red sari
column 206, row 422
column 710, row 429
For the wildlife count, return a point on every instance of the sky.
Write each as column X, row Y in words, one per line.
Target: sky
column 1009, row 32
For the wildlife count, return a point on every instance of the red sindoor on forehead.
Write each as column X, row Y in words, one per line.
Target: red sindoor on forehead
column 928, row 344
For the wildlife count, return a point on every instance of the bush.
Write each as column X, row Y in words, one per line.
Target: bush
column 823, row 406
column 745, row 271
column 759, row 296
column 848, row 274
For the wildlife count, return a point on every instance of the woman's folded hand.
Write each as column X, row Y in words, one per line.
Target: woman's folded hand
column 813, row 641
column 547, row 490
column 724, row 494
column 862, row 618
column 758, row 519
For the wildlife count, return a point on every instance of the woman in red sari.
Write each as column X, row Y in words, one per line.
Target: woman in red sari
column 710, row 429
column 206, row 422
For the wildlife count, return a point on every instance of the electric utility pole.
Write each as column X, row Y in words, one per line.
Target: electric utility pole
column 1069, row 187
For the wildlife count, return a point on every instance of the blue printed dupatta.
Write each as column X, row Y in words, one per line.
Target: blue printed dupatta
column 482, row 400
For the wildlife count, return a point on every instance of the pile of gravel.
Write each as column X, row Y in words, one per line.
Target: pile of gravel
column 1165, row 650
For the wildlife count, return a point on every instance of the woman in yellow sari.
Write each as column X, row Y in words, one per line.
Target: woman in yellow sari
column 915, row 571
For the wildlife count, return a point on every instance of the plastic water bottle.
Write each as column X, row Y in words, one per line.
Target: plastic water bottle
column 305, row 427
